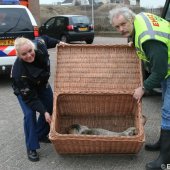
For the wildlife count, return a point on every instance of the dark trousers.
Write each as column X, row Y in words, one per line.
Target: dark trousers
column 35, row 126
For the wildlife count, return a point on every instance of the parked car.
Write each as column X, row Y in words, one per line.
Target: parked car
column 69, row 28
column 15, row 21
column 166, row 11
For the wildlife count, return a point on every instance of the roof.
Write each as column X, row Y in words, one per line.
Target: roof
column 69, row 15
column 67, row 1
column 12, row 6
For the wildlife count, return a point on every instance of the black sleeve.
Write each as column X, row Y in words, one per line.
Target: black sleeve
column 49, row 41
column 42, row 47
column 28, row 94
column 157, row 54
column 21, row 86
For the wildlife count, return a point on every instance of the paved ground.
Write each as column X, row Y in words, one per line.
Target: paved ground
column 12, row 147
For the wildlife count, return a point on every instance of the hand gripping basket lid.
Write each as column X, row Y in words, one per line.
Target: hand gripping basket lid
column 94, row 86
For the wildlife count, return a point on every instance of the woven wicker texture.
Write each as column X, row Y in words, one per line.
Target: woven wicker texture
column 111, row 112
column 90, row 68
column 93, row 87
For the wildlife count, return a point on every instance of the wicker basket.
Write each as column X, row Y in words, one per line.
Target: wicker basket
column 93, row 87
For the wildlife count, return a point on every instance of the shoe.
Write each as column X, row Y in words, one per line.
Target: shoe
column 33, row 155
column 45, row 140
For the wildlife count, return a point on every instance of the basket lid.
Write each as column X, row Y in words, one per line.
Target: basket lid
column 97, row 69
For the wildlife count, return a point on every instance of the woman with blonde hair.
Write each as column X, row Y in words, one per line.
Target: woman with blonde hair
column 30, row 74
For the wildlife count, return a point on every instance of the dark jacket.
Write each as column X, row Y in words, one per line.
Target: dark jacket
column 157, row 67
column 157, row 54
column 28, row 78
column 49, row 41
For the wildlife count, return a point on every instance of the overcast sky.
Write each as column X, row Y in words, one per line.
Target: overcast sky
column 144, row 3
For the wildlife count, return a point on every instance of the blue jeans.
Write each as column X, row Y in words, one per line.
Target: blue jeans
column 35, row 127
column 165, row 124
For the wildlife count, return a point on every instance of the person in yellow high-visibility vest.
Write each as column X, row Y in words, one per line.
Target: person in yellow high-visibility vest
column 150, row 35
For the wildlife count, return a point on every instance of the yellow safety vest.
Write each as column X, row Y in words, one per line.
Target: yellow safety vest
column 151, row 27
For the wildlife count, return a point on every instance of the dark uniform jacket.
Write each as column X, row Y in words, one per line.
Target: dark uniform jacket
column 29, row 78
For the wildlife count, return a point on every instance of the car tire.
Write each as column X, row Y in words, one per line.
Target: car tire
column 89, row 41
column 64, row 39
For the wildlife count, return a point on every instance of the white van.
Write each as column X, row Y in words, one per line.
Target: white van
column 15, row 21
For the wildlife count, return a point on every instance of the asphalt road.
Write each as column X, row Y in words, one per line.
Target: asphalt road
column 12, row 147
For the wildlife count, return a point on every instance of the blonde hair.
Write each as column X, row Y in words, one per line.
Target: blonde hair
column 124, row 11
column 20, row 41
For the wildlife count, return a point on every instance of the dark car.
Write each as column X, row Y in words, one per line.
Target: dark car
column 69, row 28
column 166, row 11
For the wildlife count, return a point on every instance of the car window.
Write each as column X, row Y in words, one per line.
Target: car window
column 59, row 22
column 14, row 20
column 80, row 19
column 49, row 24
column 167, row 16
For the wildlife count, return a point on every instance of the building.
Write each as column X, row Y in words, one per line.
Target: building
column 89, row 2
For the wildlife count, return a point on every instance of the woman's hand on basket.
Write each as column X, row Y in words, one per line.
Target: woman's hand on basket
column 139, row 92
column 130, row 44
column 47, row 117
column 62, row 43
